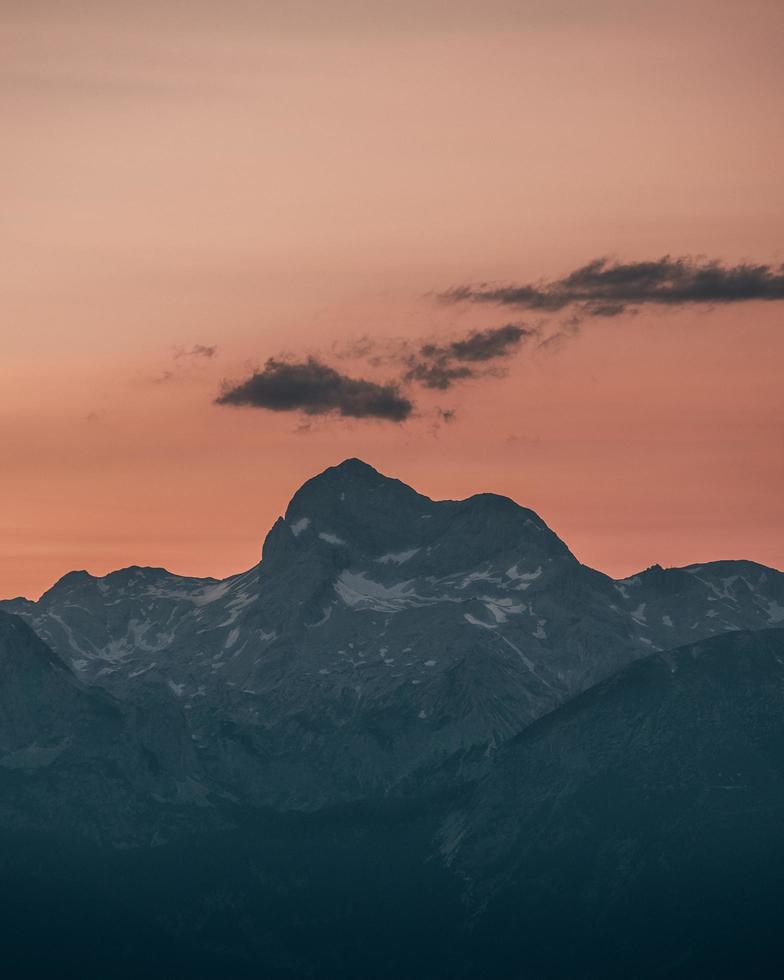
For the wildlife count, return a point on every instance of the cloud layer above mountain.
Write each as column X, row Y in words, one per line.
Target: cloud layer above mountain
column 314, row 388
column 602, row 288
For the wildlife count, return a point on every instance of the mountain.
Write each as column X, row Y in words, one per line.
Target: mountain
column 384, row 641
column 634, row 831
column 419, row 738
column 74, row 760
column 643, row 820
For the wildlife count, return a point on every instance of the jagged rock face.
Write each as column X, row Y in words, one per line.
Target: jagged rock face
column 75, row 760
column 382, row 635
column 677, row 605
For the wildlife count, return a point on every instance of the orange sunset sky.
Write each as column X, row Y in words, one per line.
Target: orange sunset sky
column 287, row 179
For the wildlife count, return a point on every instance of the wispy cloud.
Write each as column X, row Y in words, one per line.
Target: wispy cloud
column 441, row 365
column 208, row 351
column 602, row 288
column 315, row 388
column 605, row 288
column 184, row 361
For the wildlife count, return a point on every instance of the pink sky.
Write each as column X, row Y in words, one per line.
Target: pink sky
column 278, row 178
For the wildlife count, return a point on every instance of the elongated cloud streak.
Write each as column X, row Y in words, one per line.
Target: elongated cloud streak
column 606, row 289
column 442, row 365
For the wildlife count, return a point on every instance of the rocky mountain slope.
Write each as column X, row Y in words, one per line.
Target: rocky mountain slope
column 382, row 636
column 643, row 820
column 75, row 760
column 635, row 831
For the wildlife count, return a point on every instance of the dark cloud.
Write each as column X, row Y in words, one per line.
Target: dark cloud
column 483, row 345
column 440, row 366
column 438, row 374
column 314, row 388
column 606, row 289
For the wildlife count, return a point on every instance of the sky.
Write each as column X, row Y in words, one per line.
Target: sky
column 527, row 247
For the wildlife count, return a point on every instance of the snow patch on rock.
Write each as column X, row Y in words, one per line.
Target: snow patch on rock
column 331, row 538
column 397, row 558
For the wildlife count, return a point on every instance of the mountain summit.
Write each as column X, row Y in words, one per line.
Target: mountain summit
column 383, row 632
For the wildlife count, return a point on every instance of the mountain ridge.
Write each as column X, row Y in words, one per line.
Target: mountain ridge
column 355, row 465
column 381, row 633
